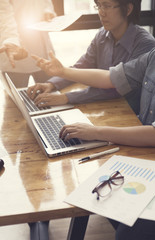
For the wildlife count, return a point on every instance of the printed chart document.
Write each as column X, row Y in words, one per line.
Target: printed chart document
column 56, row 24
column 149, row 211
column 126, row 203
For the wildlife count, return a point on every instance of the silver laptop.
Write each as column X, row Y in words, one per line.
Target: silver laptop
column 46, row 128
column 30, row 105
column 34, row 110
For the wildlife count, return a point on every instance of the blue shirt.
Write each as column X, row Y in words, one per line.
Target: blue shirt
column 138, row 74
column 104, row 53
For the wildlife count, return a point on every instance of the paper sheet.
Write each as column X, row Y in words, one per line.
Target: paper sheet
column 149, row 211
column 126, row 203
column 56, row 24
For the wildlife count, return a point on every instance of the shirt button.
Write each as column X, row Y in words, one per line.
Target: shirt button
column 145, row 83
column 150, row 111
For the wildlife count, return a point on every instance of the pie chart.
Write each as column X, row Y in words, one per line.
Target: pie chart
column 134, row 188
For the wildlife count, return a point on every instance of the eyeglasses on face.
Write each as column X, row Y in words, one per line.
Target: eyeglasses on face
column 105, row 7
column 104, row 188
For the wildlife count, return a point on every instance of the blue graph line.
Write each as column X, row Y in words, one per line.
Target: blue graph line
column 131, row 170
column 135, row 171
column 143, row 172
column 128, row 169
column 150, row 175
column 121, row 167
column 139, row 172
column 114, row 165
column 147, row 173
column 152, row 178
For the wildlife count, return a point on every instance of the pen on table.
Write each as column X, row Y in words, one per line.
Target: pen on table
column 99, row 154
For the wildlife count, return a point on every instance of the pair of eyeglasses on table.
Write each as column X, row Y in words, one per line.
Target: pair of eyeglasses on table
column 104, row 188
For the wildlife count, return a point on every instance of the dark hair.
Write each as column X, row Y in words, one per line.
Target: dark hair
column 135, row 14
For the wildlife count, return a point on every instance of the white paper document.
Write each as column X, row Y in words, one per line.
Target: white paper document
column 149, row 211
column 56, row 24
column 126, row 203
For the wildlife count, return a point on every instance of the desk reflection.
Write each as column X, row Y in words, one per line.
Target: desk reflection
column 36, row 181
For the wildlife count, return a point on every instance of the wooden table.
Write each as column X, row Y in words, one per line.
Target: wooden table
column 33, row 186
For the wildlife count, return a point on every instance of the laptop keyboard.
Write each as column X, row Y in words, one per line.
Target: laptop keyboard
column 29, row 103
column 50, row 126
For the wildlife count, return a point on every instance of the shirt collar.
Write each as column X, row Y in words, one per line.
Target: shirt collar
column 127, row 39
column 109, row 35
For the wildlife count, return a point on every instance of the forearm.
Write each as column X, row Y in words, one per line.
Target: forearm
column 141, row 136
column 91, row 94
column 91, row 77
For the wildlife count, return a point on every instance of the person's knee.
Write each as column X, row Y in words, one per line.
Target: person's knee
column 141, row 230
column 123, row 232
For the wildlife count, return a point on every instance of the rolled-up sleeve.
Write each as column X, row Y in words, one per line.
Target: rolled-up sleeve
column 119, row 79
column 129, row 76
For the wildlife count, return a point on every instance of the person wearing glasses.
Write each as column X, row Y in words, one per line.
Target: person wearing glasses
column 138, row 74
column 119, row 40
column 17, row 41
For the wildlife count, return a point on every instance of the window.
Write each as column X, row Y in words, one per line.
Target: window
column 146, row 5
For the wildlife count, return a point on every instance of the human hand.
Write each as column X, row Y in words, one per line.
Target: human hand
column 2, row 49
column 39, row 88
column 14, row 52
column 50, row 99
column 51, row 67
column 48, row 16
column 78, row 130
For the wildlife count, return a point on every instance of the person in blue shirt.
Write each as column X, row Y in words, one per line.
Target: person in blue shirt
column 125, row 78
column 119, row 40
column 134, row 75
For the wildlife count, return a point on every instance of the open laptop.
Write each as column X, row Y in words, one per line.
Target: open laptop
column 34, row 110
column 30, row 105
column 46, row 128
